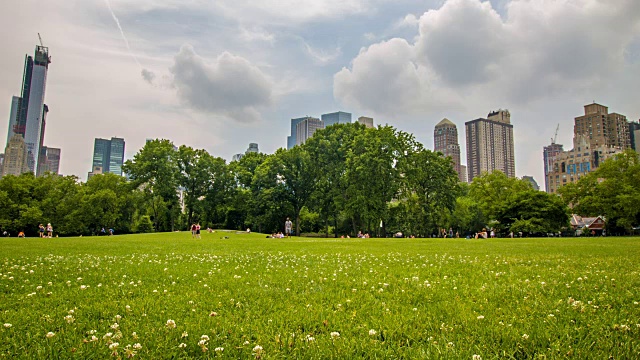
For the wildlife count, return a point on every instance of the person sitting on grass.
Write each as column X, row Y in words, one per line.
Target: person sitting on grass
column 21, row 234
column 482, row 234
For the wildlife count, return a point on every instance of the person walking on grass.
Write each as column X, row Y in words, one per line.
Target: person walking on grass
column 41, row 230
column 198, row 231
column 49, row 230
column 288, row 227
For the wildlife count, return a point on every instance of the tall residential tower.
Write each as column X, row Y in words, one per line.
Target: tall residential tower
column 445, row 138
column 490, row 145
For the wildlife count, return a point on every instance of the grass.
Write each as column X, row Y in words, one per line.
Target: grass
column 255, row 297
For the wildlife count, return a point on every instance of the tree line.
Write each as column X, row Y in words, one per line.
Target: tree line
column 344, row 180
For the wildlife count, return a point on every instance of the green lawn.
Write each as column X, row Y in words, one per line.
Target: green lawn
column 255, row 297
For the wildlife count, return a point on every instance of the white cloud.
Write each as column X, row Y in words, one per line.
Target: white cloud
column 230, row 85
column 384, row 78
column 540, row 49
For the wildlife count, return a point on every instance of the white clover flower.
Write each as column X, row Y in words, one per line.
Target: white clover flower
column 213, row 313
column 204, row 337
column 83, row 287
column 7, row 325
column 480, row 317
column 118, row 317
column 525, row 336
column 335, row 334
column 107, row 335
column 219, row 349
column 182, row 345
column 69, row 319
column 257, row 349
column 115, row 326
column 114, row 346
column 372, row 332
column 310, row 338
column 184, row 334
column 476, row 357
column 128, row 308
column 93, row 338
column 171, row 324
column 50, row 335
column 245, row 343
column 137, row 346
column 134, row 335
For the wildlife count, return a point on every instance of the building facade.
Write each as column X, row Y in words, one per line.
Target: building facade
column 445, row 138
column 108, row 156
column 634, row 135
column 549, row 155
column 48, row 161
column 28, row 111
column 490, row 145
column 603, row 128
column 532, row 181
column 366, row 121
column 253, row 148
column 339, row 117
column 291, row 139
column 570, row 166
column 306, row 128
column 15, row 157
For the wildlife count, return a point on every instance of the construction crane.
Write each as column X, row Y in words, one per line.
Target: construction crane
column 555, row 137
column 40, row 38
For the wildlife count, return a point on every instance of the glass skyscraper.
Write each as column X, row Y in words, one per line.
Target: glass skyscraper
column 108, row 155
column 339, row 117
column 28, row 111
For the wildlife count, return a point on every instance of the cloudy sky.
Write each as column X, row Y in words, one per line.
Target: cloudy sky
column 218, row 74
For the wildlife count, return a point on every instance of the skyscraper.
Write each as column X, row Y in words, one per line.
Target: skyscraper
column 291, row 139
column 108, row 156
column 366, row 121
column 32, row 107
column 253, row 148
column 306, row 128
column 49, row 160
column 490, row 145
column 339, row 117
column 634, row 134
column 549, row 154
column 28, row 112
column 445, row 138
column 15, row 157
column 603, row 128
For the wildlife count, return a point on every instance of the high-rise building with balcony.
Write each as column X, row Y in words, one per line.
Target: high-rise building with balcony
column 602, row 128
column 490, row 145
column 445, row 138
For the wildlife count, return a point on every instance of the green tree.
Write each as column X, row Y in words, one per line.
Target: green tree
column 533, row 211
column 613, row 190
column 493, row 190
column 432, row 180
column 285, row 179
column 154, row 169
column 329, row 148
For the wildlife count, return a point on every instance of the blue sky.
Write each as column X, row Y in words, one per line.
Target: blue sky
column 221, row 74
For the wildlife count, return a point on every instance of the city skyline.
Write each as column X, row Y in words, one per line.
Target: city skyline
column 397, row 62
